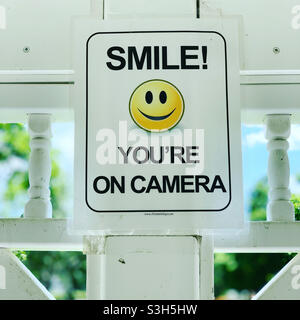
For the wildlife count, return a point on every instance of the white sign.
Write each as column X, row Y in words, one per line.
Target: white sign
column 158, row 110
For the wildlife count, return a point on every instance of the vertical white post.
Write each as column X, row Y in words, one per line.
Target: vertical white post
column 279, row 206
column 207, row 268
column 93, row 276
column 39, row 205
column 93, row 247
column 96, row 8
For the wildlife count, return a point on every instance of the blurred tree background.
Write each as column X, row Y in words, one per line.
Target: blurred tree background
column 63, row 273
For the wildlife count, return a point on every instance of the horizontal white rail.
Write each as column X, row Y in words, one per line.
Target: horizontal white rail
column 269, row 72
column 70, row 71
column 48, row 91
column 53, row 235
column 37, row 72
column 63, row 76
column 257, row 99
column 261, row 236
column 38, row 234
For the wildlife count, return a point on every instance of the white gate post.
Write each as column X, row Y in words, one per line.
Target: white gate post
column 279, row 208
column 149, row 267
column 93, row 248
column 39, row 205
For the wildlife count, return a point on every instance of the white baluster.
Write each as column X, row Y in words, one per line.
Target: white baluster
column 39, row 205
column 279, row 206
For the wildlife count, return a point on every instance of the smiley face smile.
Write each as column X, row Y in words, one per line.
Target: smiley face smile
column 158, row 117
column 156, row 105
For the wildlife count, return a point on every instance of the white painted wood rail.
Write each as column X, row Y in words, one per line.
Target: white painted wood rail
column 54, row 235
column 17, row 282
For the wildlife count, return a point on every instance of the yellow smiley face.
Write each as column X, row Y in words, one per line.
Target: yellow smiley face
column 156, row 105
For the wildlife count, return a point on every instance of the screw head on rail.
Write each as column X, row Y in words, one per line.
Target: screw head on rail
column 26, row 49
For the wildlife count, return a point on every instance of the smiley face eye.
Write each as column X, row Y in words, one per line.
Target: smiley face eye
column 149, row 97
column 163, row 97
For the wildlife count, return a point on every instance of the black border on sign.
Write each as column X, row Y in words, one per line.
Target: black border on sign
column 227, row 115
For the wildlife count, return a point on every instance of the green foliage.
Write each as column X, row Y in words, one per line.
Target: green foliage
column 9, row 145
column 68, row 268
column 58, row 189
column 296, row 201
column 21, row 255
column 259, row 200
column 17, row 184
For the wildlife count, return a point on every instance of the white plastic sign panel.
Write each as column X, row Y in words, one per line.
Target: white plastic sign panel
column 157, row 142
